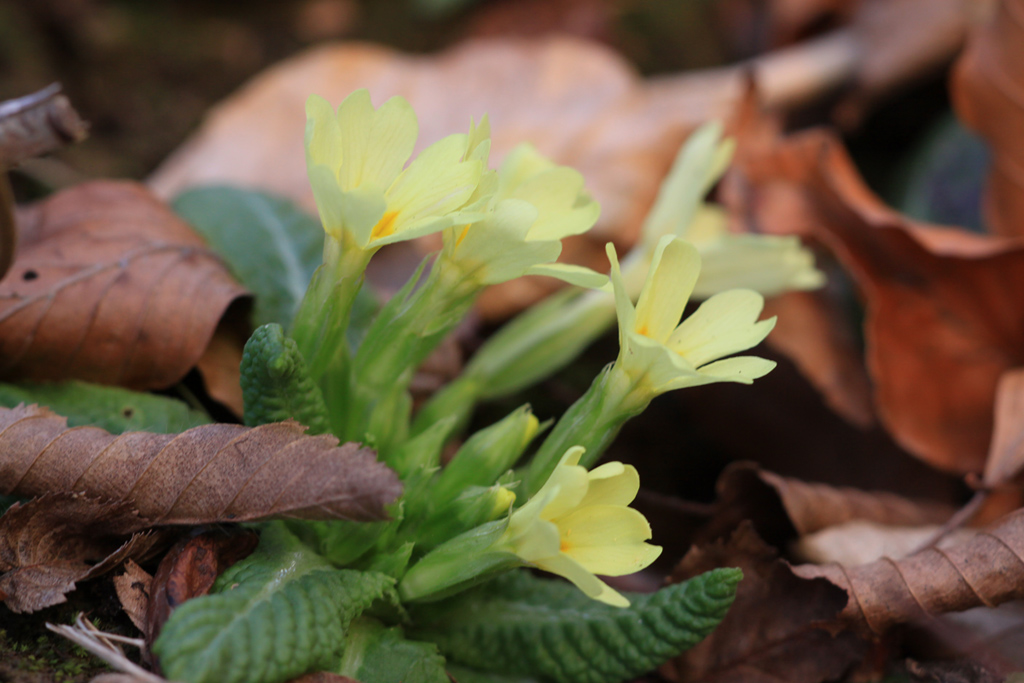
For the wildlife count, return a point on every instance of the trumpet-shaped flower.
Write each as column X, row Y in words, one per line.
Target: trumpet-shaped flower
column 579, row 524
column 534, row 203
column 659, row 353
column 356, row 159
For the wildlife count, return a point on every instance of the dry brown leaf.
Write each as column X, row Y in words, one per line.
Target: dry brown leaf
column 578, row 102
column 858, row 542
column 988, row 93
column 219, row 472
column 783, row 508
column 814, row 332
column 133, row 588
column 1006, row 453
column 770, row 633
column 49, row 544
column 221, row 362
column 189, row 570
column 942, row 321
column 109, row 286
column 987, row 569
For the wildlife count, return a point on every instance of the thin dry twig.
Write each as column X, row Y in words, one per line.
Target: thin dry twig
column 104, row 645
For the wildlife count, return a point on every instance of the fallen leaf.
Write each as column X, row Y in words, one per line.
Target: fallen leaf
column 859, row 542
column 109, row 286
column 221, row 363
column 133, row 588
column 986, row 569
column 941, row 323
column 49, row 544
column 189, row 570
column 770, row 633
column 987, row 87
column 1006, row 453
column 953, row 672
column 219, row 472
column 783, row 508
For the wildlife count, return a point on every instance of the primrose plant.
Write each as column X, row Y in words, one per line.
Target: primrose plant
column 442, row 587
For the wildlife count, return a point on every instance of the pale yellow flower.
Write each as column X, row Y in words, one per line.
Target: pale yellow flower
column 366, row 196
column 579, row 524
column 532, row 205
column 659, row 353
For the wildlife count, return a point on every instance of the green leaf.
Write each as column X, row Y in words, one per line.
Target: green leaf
column 523, row 625
column 111, row 408
column 276, row 385
column 375, row 653
column 277, row 614
column 269, row 244
column 272, row 247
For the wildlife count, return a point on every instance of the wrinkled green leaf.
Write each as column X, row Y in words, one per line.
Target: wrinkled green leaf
column 375, row 653
column 277, row 614
column 111, row 408
column 522, row 625
column 276, row 385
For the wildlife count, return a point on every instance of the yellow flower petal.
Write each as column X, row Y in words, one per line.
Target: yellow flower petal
column 323, row 135
column 673, row 274
column 724, row 324
column 612, row 484
column 375, row 143
column 591, row 586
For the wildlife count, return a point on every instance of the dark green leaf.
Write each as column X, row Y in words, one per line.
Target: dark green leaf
column 375, row 653
column 275, row 615
column 276, row 385
column 111, row 408
column 523, row 625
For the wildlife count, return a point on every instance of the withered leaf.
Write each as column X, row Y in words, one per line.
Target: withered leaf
column 49, row 544
column 109, row 286
column 770, row 633
column 943, row 321
column 1006, row 453
column 219, row 472
column 132, row 589
column 783, row 508
column 986, row 569
column 987, row 88
column 189, row 570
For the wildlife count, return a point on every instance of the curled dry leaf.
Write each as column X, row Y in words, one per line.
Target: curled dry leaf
column 987, row 569
column 219, row 472
column 783, row 508
column 49, row 544
column 770, row 633
column 111, row 287
column 943, row 317
column 189, row 570
column 859, row 542
column 988, row 93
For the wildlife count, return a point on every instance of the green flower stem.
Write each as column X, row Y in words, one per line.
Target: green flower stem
column 535, row 344
column 404, row 333
column 592, row 422
column 322, row 319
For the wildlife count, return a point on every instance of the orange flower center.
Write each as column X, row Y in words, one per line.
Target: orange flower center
column 385, row 226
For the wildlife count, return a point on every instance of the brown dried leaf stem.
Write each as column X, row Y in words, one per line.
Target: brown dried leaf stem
column 987, row 569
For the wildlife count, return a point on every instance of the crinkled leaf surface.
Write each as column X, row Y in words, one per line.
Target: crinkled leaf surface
column 375, row 653
column 281, row 612
column 519, row 624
